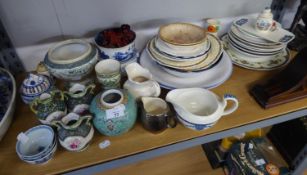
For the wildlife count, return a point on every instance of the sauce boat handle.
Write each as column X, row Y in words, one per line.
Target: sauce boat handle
column 234, row 107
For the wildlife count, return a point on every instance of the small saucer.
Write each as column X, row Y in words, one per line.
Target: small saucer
column 275, row 62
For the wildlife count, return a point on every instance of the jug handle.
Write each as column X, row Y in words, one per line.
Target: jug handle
column 33, row 106
column 171, row 118
column 88, row 119
column 230, row 97
column 56, row 123
column 157, row 87
column 91, row 88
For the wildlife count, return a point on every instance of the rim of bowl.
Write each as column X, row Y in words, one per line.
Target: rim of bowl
column 98, row 35
column 165, row 39
column 27, row 132
column 66, row 42
column 13, row 97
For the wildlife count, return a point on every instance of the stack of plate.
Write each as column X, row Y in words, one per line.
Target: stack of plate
column 256, row 50
column 182, row 53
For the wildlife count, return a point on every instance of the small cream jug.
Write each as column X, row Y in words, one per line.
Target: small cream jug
column 140, row 82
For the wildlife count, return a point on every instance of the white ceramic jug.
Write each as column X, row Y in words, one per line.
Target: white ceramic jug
column 140, row 82
column 199, row 108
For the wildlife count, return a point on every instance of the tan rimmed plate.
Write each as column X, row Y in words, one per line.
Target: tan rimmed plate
column 212, row 57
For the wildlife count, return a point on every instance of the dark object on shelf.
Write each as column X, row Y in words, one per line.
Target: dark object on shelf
column 299, row 30
column 288, row 85
column 215, row 157
column 254, row 157
column 290, row 139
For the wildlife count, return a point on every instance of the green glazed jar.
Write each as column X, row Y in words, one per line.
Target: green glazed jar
column 114, row 111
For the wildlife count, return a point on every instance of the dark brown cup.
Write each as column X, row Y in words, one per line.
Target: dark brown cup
column 156, row 115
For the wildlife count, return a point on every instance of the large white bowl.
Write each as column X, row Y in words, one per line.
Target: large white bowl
column 8, row 116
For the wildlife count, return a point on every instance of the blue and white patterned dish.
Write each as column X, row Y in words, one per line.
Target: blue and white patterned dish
column 37, row 145
column 7, row 100
column 194, row 126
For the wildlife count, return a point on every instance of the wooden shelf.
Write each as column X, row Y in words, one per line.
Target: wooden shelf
column 138, row 141
column 189, row 161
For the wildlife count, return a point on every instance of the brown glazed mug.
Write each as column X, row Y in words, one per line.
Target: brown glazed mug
column 156, row 115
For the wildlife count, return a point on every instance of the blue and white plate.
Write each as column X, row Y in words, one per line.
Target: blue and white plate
column 211, row 78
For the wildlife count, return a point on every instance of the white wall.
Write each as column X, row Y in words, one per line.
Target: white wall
column 31, row 22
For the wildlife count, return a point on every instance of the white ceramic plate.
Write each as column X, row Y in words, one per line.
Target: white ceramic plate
column 279, row 35
column 272, row 63
column 212, row 57
column 181, row 53
column 211, row 78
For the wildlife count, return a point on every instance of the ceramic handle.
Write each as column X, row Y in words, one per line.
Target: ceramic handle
column 157, row 88
column 171, row 121
column 233, row 107
column 33, row 106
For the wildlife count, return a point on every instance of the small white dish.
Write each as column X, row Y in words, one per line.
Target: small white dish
column 212, row 77
column 278, row 35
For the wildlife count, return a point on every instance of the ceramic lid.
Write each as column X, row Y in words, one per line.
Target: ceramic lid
column 35, row 84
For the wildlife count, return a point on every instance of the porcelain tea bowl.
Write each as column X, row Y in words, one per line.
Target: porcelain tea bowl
column 71, row 59
column 198, row 108
column 108, row 73
column 183, row 36
column 37, row 145
column 117, row 43
column 34, row 85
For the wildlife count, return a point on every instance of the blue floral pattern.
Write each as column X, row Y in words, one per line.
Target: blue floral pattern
column 6, row 90
column 286, row 38
column 123, row 56
column 242, row 21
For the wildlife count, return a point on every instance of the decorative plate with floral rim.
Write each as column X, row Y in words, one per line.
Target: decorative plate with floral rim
column 275, row 62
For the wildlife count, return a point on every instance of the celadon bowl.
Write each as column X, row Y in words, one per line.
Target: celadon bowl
column 71, row 59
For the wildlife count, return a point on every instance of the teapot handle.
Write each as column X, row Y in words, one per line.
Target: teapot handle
column 62, row 96
column 91, row 88
column 88, row 119
column 233, row 107
column 56, row 123
column 33, row 106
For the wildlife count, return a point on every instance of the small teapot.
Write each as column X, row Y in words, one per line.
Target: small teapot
column 34, row 85
column 265, row 21
column 74, row 131
column 140, row 82
column 78, row 97
column 49, row 106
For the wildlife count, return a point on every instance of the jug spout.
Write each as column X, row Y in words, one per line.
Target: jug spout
column 134, row 70
column 172, row 97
